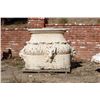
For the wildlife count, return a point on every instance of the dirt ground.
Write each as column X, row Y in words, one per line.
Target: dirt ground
column 82, row 72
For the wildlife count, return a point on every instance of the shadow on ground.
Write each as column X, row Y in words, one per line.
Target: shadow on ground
column 75, row 64
column 98, row 70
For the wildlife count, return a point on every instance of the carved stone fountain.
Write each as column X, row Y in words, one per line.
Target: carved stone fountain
column 47, row 50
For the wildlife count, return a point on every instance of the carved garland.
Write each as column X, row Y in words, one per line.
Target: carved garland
column 44, row 48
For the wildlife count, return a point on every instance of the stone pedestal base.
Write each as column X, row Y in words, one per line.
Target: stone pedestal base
column 47, row 49
column 67, row 70
column 38, row 62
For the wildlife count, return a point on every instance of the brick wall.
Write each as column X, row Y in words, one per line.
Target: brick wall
column 14, row 39
column 36, row 22
column 84, row 38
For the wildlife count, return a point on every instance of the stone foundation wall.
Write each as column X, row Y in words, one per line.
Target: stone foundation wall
column 84, row 38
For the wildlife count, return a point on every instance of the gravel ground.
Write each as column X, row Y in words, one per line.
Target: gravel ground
column 82, row 72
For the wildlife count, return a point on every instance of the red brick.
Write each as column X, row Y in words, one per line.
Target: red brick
column 82, row 35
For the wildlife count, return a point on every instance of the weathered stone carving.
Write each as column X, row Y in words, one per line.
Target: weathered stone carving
column 47, row 49
column 52, row 52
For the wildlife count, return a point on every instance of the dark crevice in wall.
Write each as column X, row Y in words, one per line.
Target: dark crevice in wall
column 13, row 21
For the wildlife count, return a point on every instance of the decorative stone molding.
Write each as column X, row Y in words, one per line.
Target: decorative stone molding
column 40, row 49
